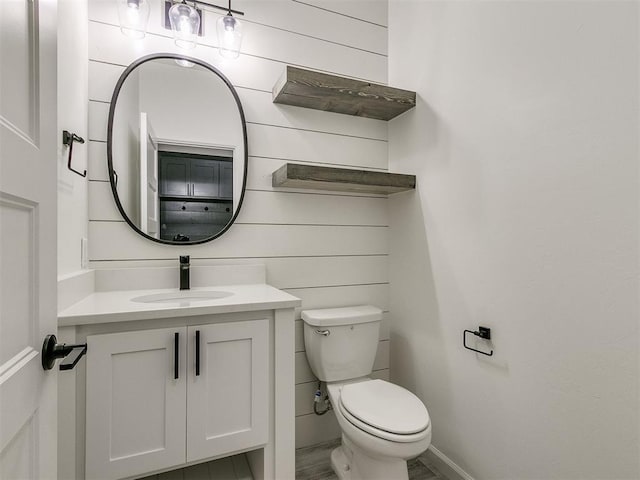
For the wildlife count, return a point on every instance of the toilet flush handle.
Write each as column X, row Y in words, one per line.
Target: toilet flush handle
column 324, row 333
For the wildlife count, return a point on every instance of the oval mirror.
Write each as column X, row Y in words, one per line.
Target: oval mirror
column 176, row 149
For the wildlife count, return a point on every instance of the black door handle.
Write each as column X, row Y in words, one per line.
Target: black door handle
column 197, row 352
column 52, row 350
column 176, row 351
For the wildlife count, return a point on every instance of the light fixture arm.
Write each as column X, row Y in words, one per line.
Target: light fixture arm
column 225, row 9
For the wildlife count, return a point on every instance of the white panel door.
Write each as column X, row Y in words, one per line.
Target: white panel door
column 149, row 199
column 28, row 158
column 228, row 398
column 135, row 402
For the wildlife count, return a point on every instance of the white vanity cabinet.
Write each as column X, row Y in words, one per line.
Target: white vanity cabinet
column 143, row 403
column 136, row 409
column 161, row 398
column 227, row 398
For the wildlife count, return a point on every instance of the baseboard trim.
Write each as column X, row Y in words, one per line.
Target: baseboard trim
column 445, row 465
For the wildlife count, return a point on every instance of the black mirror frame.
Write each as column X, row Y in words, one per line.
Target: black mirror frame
column 112, row 173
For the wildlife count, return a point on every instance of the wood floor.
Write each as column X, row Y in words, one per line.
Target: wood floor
column 314, row 463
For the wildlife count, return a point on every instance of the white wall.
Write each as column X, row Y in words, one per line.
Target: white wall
column 126, row 146
column 330, row 249
column 203, row 112
column 72, row 116
column 525, row 144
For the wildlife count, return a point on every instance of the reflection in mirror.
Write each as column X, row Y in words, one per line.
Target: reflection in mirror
column 177, row 149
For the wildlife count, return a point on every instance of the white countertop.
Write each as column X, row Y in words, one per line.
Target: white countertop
column 117, row 306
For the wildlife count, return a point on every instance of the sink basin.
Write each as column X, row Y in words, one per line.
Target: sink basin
column 184, row 296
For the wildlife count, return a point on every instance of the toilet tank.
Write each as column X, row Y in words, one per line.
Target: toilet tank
column 341, row 343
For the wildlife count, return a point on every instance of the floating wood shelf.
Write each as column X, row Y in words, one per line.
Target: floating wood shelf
column 331, row 93
column 294, row 175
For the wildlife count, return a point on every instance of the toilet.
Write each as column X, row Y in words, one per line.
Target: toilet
column 383, row 425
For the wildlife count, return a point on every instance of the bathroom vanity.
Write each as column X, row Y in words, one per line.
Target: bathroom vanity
column 174, row 378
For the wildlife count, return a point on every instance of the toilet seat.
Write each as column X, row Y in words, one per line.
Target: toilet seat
column 385, row 410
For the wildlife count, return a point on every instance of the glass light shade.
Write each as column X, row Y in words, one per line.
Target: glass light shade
column 185, row 24
column 229, row 36
column 134, row 17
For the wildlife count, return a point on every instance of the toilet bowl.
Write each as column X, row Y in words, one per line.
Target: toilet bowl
column 383, row 425
column 378, row 439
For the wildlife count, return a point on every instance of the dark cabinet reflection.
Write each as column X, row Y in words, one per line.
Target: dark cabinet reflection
column 196, row 194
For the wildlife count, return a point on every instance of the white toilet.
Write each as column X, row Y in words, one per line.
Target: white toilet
column 383, row 425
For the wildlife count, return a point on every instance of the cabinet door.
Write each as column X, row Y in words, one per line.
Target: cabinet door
column 226, row 180
column 175, row 176
column 205, row 178
column 227, row 403
column 135, row 406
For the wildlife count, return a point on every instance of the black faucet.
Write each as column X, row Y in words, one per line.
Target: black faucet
column 184, row 272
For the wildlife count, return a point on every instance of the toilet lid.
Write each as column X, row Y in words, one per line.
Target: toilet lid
column 385, row 406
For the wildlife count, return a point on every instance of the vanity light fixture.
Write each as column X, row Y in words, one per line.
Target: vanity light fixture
column 229, row 35
column 134, row 16
column 186, row 22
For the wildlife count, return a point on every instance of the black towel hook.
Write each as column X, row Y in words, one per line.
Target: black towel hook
column 483, row 332
column 67, row 139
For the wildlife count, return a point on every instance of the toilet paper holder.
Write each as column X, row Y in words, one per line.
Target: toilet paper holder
column 482, row 332
column 67, row 139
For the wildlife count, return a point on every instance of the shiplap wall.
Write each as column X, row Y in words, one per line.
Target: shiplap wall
column 329, row 249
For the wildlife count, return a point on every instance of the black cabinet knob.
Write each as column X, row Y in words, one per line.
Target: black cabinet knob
column 228, row 209
column 206, row 209
column 184, row 208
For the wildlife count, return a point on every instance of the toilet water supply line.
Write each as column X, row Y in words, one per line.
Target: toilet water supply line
column 317, row 398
